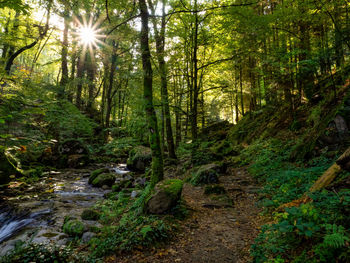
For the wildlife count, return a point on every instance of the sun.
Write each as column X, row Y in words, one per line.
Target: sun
column 87, row 35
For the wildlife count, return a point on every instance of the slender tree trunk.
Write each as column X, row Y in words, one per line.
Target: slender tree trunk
column 160, row 46
column 109, row 93
column 64, row 54
column 157, row 158
column 80, row 74
column 194, row 112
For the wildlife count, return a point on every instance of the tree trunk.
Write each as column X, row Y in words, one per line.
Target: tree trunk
column 64, row 54
column 160, row 46
column 154, row 140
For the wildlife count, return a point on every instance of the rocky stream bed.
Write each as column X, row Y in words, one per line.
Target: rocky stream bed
column 36, row 212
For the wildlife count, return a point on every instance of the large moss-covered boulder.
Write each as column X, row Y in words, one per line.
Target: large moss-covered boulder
column 206, row 174
column 166, row 195
column 6, row 168
column 73, row 228
column 139, row 158
column 96, row 173
column 104, row 179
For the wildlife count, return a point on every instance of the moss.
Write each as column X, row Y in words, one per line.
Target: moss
column 104, row 179
column 73, row 228
column 214, row 189
column 172, row 187
column 206, row 174
column 90, row 214
column 96, row 173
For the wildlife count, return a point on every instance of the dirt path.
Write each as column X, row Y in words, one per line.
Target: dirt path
column 220, row 230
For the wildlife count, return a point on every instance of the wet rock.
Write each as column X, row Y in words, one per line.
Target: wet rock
column 87, row 236
column 135, row 194
column 206, row 174
column 96, row 173
column 104, row 179
column 139, row 158
column 73, row 228
column 166, row 195
column 90, row 214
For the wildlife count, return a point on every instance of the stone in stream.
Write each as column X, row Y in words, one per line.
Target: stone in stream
column 96, row 173
column 166, row 195
column 104, row 179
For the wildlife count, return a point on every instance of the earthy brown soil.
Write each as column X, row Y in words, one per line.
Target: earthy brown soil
column 218, row 230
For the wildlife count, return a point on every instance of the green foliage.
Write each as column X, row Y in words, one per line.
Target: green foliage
column 66, row 121
column 317, row 228
column 40, row 253
column 126, row 226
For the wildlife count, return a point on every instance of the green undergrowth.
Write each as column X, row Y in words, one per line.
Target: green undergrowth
column 313, row 232
column 39, row 253
column 126, row 226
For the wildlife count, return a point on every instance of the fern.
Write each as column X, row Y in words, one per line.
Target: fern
column 336, row 236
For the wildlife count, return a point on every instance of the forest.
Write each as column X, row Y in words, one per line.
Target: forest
column 194, row 131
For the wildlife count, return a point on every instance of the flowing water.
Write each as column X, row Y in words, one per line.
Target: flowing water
column 38, row 217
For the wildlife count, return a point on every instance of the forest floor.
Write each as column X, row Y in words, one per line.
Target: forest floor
column 218, row 229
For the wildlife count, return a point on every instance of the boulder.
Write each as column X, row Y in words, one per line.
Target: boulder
column 166, row 195
column 139, row 158
column 73, row 153
column 73, row 228
column 97, row 172
column 87, row 236
column 90, row 214
column 104, row 179
column 206, row 174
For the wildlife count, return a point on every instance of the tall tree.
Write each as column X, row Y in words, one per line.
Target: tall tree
column 154, row 140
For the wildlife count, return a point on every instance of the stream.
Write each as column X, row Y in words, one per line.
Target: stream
column 37, row 214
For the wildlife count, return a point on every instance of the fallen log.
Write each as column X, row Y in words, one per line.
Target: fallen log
column 342, row 163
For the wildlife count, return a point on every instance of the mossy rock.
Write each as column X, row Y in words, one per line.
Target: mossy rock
column 96, row 173
column 90, row 214
column 166, row 195
column 214, row 189
column 104, row 179
column 73, row 228
column 206, row 174
column 139, row 158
